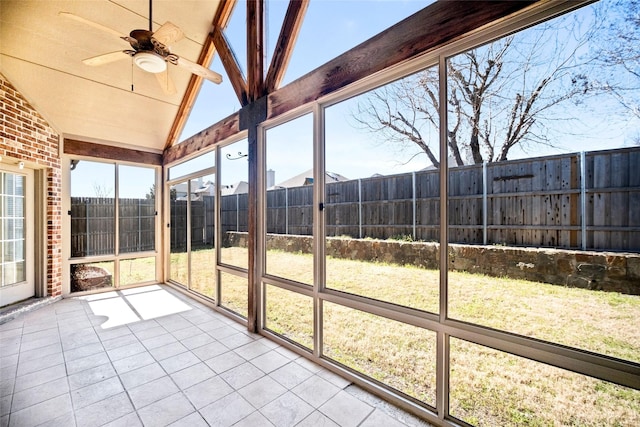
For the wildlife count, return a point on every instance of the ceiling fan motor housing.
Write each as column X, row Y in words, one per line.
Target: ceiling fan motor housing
column 150, row 61
column 148, row 54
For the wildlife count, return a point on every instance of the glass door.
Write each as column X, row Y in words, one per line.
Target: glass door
column 16, row 235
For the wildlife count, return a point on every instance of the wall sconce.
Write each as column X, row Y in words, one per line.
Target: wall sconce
column 21, row 165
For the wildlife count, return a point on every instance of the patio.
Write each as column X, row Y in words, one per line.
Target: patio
column 152, row 356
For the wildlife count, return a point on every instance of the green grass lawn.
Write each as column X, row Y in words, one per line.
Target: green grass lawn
column 488, row 387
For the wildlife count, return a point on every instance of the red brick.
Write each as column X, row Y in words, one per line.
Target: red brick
column 27, row 136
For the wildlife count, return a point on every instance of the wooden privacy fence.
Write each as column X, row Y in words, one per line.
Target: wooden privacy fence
column 588, row 201
column 93, row 225
column 202, row 224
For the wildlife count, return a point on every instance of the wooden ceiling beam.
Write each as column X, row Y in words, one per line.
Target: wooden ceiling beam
column 428, row 29
column 74, row 147
column 221, row 19
column 231, row 65
column 225, row 128
column 286, row 41
column 190, row 95
column 255, row 49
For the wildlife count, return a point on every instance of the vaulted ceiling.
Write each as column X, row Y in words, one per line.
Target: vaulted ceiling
column 43, row 43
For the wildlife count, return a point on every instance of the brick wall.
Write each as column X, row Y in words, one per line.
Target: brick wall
column 28, row 137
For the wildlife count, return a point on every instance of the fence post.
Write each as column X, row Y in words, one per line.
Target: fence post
column 413, row 189
column 286, row 211
column 204, row 221
column 583, row 199
column 237, row 212
column 139, row 247
column 86, row 222
column 485, row 204
column 360, row 208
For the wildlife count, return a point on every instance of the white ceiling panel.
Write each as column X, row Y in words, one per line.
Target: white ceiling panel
column 41, row 53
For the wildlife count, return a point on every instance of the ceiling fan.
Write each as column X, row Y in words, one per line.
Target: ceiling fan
column 150, row 51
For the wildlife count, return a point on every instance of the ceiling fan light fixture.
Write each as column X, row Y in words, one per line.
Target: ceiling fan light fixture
column 150, row 62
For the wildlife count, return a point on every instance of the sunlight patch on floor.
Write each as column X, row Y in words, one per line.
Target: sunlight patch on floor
column 127, row 306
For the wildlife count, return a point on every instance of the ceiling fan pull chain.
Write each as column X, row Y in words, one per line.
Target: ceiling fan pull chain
column 132, row 74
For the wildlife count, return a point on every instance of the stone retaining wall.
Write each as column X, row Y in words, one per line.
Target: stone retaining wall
column 607, row 271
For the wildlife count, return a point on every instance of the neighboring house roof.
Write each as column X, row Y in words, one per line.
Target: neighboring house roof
column 200, row 188
column 451, row 160
column 180, row 189
column 306, row 178
column 240, row 187
column 207, row 188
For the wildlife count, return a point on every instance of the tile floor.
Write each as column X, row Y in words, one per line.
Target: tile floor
column 152, row 356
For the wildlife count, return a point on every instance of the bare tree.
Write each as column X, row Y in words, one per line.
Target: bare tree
column 151, row 194
column 102, row 191
column 617, row 50
column 502, row 95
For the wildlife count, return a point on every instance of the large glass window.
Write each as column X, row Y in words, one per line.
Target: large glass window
column 289, row 195
column 396, row 354
column 289, row 314
column 92, row 276
column 234, row 293
column 92, row 208
column 136, row 209
column 202, row 224
column 234, row 204
column 520, row 110
column 381, row 211
column 137, row 270
column 178, row 251
column 234, row 226
column 289, row 182
column 490, row 388
column 96, row 215
column 192, row 257
column 202, row 162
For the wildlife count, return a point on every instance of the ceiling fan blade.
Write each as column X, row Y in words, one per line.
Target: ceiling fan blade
column 168, row 34
column 166, row 83
column 199, row 70
column 90, row 23
column 105, row 58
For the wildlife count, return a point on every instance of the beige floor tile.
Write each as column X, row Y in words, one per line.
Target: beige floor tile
column 166, row 411
column 287, row 410
column 346, row 410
